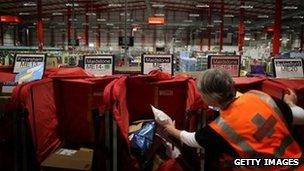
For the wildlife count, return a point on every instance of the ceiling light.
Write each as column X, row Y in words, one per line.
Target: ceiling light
column 29, row 4
column 101, row 19
column 228, row 15
column 246, row 6
column 159, row 15
column 247, row 22
column 70, row 5
column 94, row 27
column 217, row 21
column 202, row 6
column 194, row 15
column 123, row 14
column 290, row 7
column 90, row 13
column 57, row 13
column 158, row 5
column 45, row 19
column 62, row 23
column 85, row 24
column 210, row 25
column 188, row 21
column 263, row 16
column 24, row 13
column 75, row 19
column 246, row 38
column 298, row 17
column 110, row 24
column 114, row 5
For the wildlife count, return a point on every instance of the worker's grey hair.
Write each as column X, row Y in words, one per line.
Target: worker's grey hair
column 217, row 84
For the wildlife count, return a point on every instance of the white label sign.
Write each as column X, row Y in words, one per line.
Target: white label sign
column 229, row 63
column 157, row 62
column 99, row 65
column 288, row 68
column 27, row 61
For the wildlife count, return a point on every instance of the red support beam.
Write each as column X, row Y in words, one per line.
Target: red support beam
column 222, row 26
column 276, row 43
column 302, row 38
column 1, row 35
column 69, row 21
column 209, row 23
column 40, row 36
column 241, row 29
column 86, row 32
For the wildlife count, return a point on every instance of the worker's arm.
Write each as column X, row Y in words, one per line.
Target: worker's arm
column 290, row 98
column 185, row 137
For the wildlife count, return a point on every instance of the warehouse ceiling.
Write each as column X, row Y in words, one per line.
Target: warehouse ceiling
column 258, row 13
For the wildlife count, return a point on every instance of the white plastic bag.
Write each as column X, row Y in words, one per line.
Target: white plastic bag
column 160, row 116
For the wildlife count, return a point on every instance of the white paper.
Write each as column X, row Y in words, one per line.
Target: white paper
column 161, row 117
column 66, row 152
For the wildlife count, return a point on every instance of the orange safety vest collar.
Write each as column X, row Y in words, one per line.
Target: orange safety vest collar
column 255, row 129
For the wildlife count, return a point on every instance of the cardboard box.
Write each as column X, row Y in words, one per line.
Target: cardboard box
column 69, row 160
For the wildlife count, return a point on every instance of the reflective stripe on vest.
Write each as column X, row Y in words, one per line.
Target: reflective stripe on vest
column 255, row 130
column 234, row 136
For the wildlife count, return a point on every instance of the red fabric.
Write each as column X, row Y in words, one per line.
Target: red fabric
column 8, row 69
column 277, row 88
column 76, row 72
column 75, row 99
column 247, row 80
column 170, row 165
column 5, row 76
column 42, row 117
column 131, row 98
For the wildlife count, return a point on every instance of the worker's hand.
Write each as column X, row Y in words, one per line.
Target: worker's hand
column 290, row 98
column 171, row 130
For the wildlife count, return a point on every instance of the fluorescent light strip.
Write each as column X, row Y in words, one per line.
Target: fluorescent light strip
column 57, row 13
column 70, row 5
column 246, row 6
column 194, row 15
column 24, row 13
column 158, row 5
column 290, row 7
column 263, row 16
column 202, row 6
column 29, row 4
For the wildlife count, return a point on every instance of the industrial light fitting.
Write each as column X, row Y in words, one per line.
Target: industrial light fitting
column 57, row 13
column 290, row 7
column 202, row 6
column 159, row 15
column 194, row 15
column 101, row 19
column 114, row 5
column 158, row 5
column 188, row 21
column 24, row 13
column 263, row 16
column 90, row 13
column 70, row 5
column 228, row 15
column 29, row 4
column 246, row 6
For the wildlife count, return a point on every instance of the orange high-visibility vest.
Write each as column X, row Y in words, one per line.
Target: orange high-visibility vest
column 255, row 129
